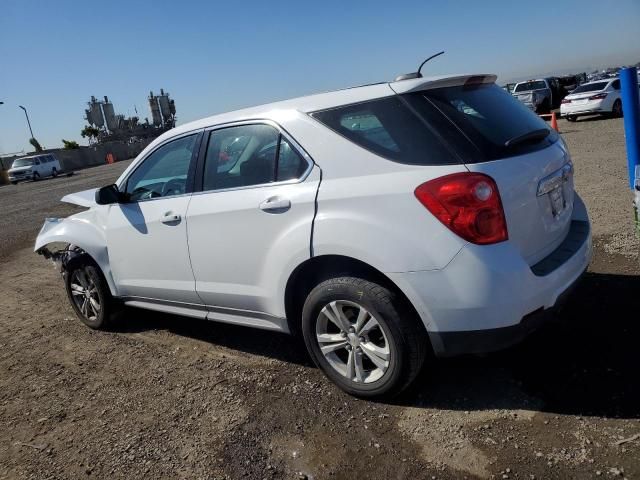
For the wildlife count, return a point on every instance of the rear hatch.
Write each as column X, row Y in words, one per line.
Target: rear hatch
column 495, row 134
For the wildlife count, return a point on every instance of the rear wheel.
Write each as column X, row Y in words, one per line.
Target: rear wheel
column 89, row 293
column 14, row 183
column 54, row 172
column 363, row 337
column 616, row 110
column 36, row 176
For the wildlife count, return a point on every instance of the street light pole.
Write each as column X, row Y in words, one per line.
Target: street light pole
column 28, row 122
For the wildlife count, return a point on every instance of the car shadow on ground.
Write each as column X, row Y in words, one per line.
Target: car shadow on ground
column 249, row 340
column 594, row 118
column 585, row 363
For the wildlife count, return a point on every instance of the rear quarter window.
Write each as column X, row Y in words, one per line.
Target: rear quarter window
column 390, row 129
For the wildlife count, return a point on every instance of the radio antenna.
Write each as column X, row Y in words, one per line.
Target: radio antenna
column 408, row 76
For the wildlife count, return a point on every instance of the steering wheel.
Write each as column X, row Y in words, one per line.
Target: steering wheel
column 175, row 186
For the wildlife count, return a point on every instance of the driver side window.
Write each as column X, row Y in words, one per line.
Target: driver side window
column 164, row 173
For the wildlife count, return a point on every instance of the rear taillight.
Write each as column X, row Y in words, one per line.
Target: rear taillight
column 566, row 100
column 599, row 96
column 468, row 204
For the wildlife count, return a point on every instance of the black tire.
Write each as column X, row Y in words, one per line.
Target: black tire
column 401, row 333
column 36, row 176
column 616, row 109
column 54, row 172
column 92, row 317
column 572, row 118
column 14, row 183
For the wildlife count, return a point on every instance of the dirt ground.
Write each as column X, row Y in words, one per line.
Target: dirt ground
column 168, row 397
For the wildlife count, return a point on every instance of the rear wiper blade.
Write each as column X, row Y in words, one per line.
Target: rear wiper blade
column 528, row 137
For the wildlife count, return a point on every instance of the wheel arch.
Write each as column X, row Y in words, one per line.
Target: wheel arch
column 316, row 269
column 81, row 234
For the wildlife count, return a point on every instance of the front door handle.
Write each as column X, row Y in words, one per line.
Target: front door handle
column 170, row 217
column 275, row 205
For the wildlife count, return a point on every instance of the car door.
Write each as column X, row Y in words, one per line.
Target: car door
column 252, row 219
column 146, row 234
column 37, row 166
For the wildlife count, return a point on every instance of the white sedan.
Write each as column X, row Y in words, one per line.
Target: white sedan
column 598, row 97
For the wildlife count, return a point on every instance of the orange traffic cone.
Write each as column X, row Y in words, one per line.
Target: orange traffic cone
column 554, row 122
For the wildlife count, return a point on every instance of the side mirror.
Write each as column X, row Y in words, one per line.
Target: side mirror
column 108, row 195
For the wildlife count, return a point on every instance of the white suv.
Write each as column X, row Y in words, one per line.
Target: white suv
column 34, row 168
column 384, row 223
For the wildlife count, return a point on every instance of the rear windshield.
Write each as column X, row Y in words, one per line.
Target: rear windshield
column 23, row 162
column 591, row 87
column 465, row 124
column 526, row 86
column 486, row 116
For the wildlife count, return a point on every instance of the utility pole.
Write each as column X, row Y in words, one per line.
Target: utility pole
column 28, row 122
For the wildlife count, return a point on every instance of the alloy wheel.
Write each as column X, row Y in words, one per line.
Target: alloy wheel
column 85, row 294
column 352, row 341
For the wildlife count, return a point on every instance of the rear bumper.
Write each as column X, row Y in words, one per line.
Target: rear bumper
column 489, row 298
column 449, row 344
column 590, row 108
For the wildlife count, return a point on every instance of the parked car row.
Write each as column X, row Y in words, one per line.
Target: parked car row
column 602, row 96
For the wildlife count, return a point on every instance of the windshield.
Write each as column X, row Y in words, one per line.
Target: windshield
column 526, row 86
column 591, row 87
column 22, row 162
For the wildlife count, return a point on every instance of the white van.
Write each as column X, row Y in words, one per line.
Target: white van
column 34, row 168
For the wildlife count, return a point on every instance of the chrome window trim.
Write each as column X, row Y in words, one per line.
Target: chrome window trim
column 287, row 136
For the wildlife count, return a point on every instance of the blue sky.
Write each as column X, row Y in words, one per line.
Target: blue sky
column 217, row 56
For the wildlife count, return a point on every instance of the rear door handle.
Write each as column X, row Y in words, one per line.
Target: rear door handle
column 170, row 217
column 275, row 205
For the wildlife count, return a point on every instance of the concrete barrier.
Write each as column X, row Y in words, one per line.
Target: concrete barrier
column 84, row 157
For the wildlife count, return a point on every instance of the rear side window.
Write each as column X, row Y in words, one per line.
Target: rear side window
column 249, row 155
column 290, row 164
column 387, row 127
column 486, row 116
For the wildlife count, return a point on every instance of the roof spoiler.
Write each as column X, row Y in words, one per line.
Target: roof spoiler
column 418, row 84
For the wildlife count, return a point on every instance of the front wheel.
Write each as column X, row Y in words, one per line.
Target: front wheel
column 54, row 172
column 363, row 337
column 36, row 176
column 572, row 118
column 89, row 294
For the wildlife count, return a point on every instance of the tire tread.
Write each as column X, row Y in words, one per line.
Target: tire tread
column 412, row 332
